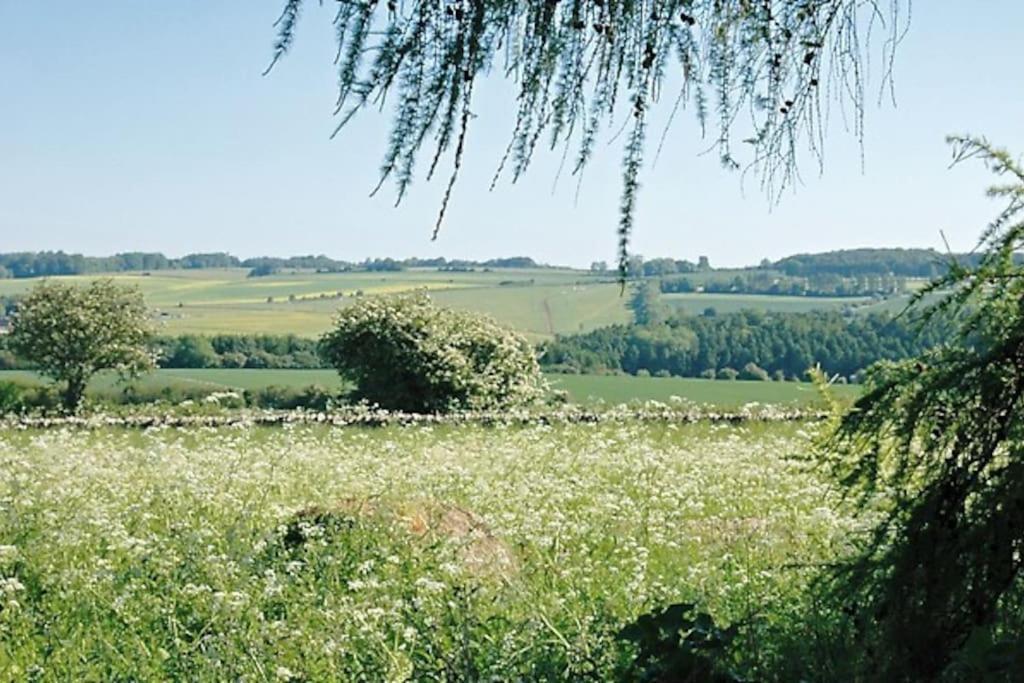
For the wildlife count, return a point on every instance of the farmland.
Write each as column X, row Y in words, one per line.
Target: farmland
column 614, row 389
column 473, row 553
column 539, row 303
column 582, row 389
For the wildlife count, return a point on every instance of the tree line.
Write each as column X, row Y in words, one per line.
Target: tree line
column 916, row 263
column 777, row 284
column 783, row 345
column 53, row 263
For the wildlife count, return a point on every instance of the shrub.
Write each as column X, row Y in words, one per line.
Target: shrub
column 142, row 394
column 16, row 397
column 643, row 372
column 191, row 351
column 232, row 359
column 708, row 374
column 10, row 397
column 405, row 353
column 727, row 373
column 754, row 372
column 663, row 373
column 273, row 397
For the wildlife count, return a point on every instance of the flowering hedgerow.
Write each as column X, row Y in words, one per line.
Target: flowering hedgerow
column 362, row 415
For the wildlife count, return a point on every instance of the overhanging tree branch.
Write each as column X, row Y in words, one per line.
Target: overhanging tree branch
column 762, row 71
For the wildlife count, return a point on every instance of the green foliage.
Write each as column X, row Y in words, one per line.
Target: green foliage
column 753, row 372
column 275, row 397
column 936, row 447
column 679, row 643
column 19, row 397
column 773, row 283
column 867, row 264
column 10, row 397
column 255, row 351
column 577, row 65
column 70, row 333
column 406, row 353
column 727, row 374
column 776, row 342
column 645, row 305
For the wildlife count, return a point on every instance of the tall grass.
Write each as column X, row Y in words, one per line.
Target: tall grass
column 459, row 553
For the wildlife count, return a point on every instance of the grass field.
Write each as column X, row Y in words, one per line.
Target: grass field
column 587, row 389
column 537, row 302
column 582, row 389
column 431, row 553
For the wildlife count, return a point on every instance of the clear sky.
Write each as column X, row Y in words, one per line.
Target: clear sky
column 128, row 125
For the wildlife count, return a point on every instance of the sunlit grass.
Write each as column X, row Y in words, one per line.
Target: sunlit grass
column 164, row 554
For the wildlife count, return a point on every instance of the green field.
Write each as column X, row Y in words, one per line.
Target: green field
column 397, row 554
column 538, row 302
column 582, row 389
column 588, row 389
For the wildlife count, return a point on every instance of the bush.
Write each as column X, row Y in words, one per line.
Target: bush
column 754, row 372
column 404, row 353
column 10, row 397
column 190, row 351
column 142, row 394
column 232, row 359
column 16, row 397
column 311, row 397
column 663, row 373
column 727, row 373
column 8, row 361
column 643, row 372
column 708, row 374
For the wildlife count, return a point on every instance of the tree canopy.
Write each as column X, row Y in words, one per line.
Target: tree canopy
column 760, row 71
column 71, row 333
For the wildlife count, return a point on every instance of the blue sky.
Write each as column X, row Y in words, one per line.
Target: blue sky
column 130, row 125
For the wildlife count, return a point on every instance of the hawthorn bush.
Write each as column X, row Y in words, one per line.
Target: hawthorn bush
column 405, row 353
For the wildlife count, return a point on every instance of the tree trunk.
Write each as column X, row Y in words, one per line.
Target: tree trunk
column 74, row 392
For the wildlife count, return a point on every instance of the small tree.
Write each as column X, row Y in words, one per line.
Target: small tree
column 71, row 333
column 404, row 353
column 754, row 372
column 727, row 374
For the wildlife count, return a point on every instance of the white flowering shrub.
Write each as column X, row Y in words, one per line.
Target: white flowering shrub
column 405, row 353
column 70, row 333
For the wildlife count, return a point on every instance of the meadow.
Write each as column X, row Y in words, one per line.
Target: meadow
column 395, row 554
